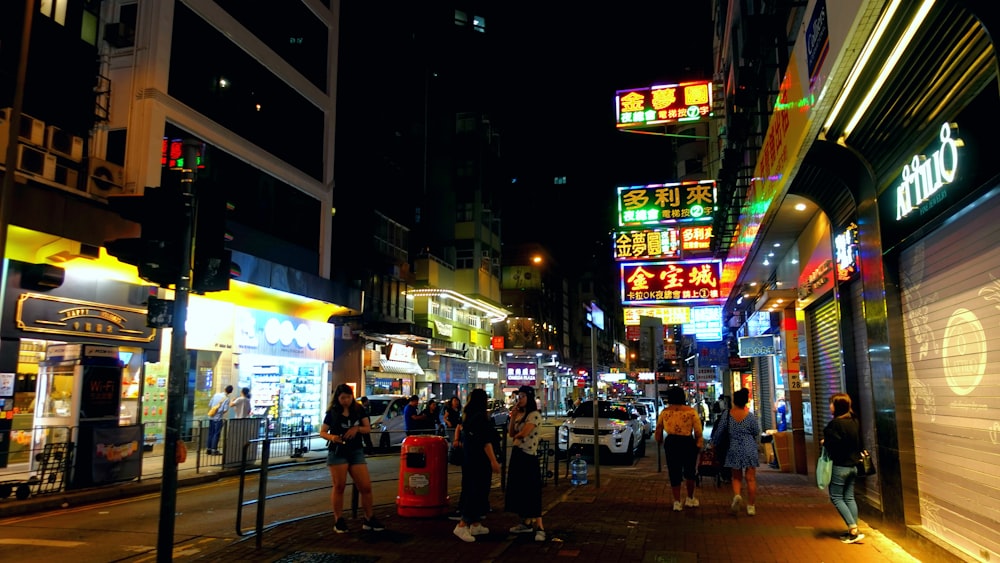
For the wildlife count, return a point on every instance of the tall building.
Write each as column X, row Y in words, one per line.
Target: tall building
column 417, row 170
column 112, row 90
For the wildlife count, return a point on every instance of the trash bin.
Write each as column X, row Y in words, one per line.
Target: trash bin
column 423, row 476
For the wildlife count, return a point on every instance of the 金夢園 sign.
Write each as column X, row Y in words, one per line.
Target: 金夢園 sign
column 666, row 103
column 647, row 243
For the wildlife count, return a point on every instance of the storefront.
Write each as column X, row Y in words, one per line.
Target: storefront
column 46, row 306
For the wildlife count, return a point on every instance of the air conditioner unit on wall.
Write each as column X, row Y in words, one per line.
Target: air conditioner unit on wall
column 68, row 177
column 32, row 130
column 36, row 162
column 105, row 178
column 61, row 143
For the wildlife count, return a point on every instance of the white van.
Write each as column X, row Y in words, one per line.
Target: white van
column 387, row 419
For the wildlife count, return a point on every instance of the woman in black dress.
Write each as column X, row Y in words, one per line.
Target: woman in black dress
column 478, row 436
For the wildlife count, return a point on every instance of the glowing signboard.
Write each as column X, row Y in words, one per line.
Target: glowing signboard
column 696, row 238
column 647, row 243
column 705, row 325
column 845, row 249
column 669, row 315
column 172, row 154
column 924, row 177
column 664, row 282
column 666, row 203
column 666, row 103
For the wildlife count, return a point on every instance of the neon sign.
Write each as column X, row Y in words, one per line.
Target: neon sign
column 924, row 177
column 647, row 243
column 666, row 203
column 662, row 282
column 845, row 249
column 667, row 103
column 696, row 238
column 669, row 315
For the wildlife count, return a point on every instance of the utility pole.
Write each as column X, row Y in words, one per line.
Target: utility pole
column 177, row 380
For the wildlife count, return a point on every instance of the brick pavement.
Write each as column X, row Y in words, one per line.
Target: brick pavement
column 628, row 519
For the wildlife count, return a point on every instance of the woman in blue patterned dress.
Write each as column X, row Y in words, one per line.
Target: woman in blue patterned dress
column 742, row 458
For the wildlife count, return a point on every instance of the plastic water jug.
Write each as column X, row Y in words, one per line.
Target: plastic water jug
column 578, row 471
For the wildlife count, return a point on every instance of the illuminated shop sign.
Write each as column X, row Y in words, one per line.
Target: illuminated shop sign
column 754, row 346
column 273, row 334
column 172, row 154
column 845, row 249
column 696, row 238
column 666, row 103
column 647, row 243
column 521, row 373
column 666, row 203
column 661, row 282
column 669, row 315
column 924, row 176
column 705, row 325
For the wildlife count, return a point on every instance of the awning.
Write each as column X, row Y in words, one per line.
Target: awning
column 396, row 366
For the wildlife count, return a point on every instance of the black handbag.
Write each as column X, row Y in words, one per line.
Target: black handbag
column 456, row 455
column 865, row 464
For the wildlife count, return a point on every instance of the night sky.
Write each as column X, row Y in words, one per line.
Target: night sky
column 560, row 65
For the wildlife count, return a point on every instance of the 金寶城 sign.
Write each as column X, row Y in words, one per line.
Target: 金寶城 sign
column 666, row 103
column 664, row 282
column 666, row 203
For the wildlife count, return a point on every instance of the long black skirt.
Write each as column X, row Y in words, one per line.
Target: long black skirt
column 524, row 485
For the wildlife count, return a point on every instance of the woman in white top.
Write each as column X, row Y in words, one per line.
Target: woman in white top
column 524, row 482
column 241, row 404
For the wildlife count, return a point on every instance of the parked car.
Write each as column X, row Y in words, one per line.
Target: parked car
column 648, row 422
column 620, row 433
column 498, row 412
column 387, row 419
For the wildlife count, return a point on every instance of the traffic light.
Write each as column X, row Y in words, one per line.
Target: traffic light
column 212, row 261
column 158, row 252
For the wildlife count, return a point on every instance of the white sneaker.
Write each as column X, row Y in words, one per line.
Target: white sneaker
column 464, row 534
column 692, row 502
column 478, row 530
column 677, row 506
column 540, row 535
column 522, row 529
column 751, row 510
column 735, row 506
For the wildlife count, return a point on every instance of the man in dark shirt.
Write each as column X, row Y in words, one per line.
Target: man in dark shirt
column 412, row 418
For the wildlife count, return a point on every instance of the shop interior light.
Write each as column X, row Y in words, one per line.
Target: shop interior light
column 494, row 313
column 859, row 66
column 889, row 65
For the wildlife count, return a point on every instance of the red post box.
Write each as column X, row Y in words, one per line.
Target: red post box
column 423, row 477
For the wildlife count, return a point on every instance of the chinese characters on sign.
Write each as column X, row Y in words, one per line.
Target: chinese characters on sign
column 657, row 282
column 667, row 103
column 521, row 374
column 647, row 243
column 696, row 238
column 669, row 315
column 666, row 203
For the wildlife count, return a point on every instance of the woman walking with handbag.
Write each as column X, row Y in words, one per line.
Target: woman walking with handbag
column 842, row 440
column 743, row 430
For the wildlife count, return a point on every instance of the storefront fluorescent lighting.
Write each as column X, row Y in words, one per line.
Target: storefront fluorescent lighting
column 494, row 313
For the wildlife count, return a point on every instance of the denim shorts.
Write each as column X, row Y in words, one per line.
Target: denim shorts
column 340, row 455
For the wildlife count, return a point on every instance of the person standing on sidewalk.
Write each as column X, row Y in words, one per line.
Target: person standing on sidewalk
column 842, row 440
column 218, row 408
column 343, row 425
column 478, row 467
column 367, row 438
column 524, row 482
column 742, row 457
column 241, row 404
column 681, row 446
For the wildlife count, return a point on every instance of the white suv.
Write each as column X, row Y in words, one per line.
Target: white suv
column 386, row 419
column 620, row 433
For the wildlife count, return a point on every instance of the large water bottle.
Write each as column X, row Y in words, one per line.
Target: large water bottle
column 578, row 471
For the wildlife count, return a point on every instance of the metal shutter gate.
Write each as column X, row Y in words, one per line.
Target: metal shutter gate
column 763, row 384
column 950, row 283
column 867, row 488
column 825, row 362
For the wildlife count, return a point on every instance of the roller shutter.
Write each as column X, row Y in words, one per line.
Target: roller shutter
column 825, row 363
column 950, row 284
column 867, row 488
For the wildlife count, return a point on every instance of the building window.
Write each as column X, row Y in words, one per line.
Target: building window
column 465, row 257
column 479, row 24
column 461, row 18
column 559, row 180
column 465, row 213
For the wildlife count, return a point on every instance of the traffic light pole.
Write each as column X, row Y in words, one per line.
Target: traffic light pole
column 177, row 380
